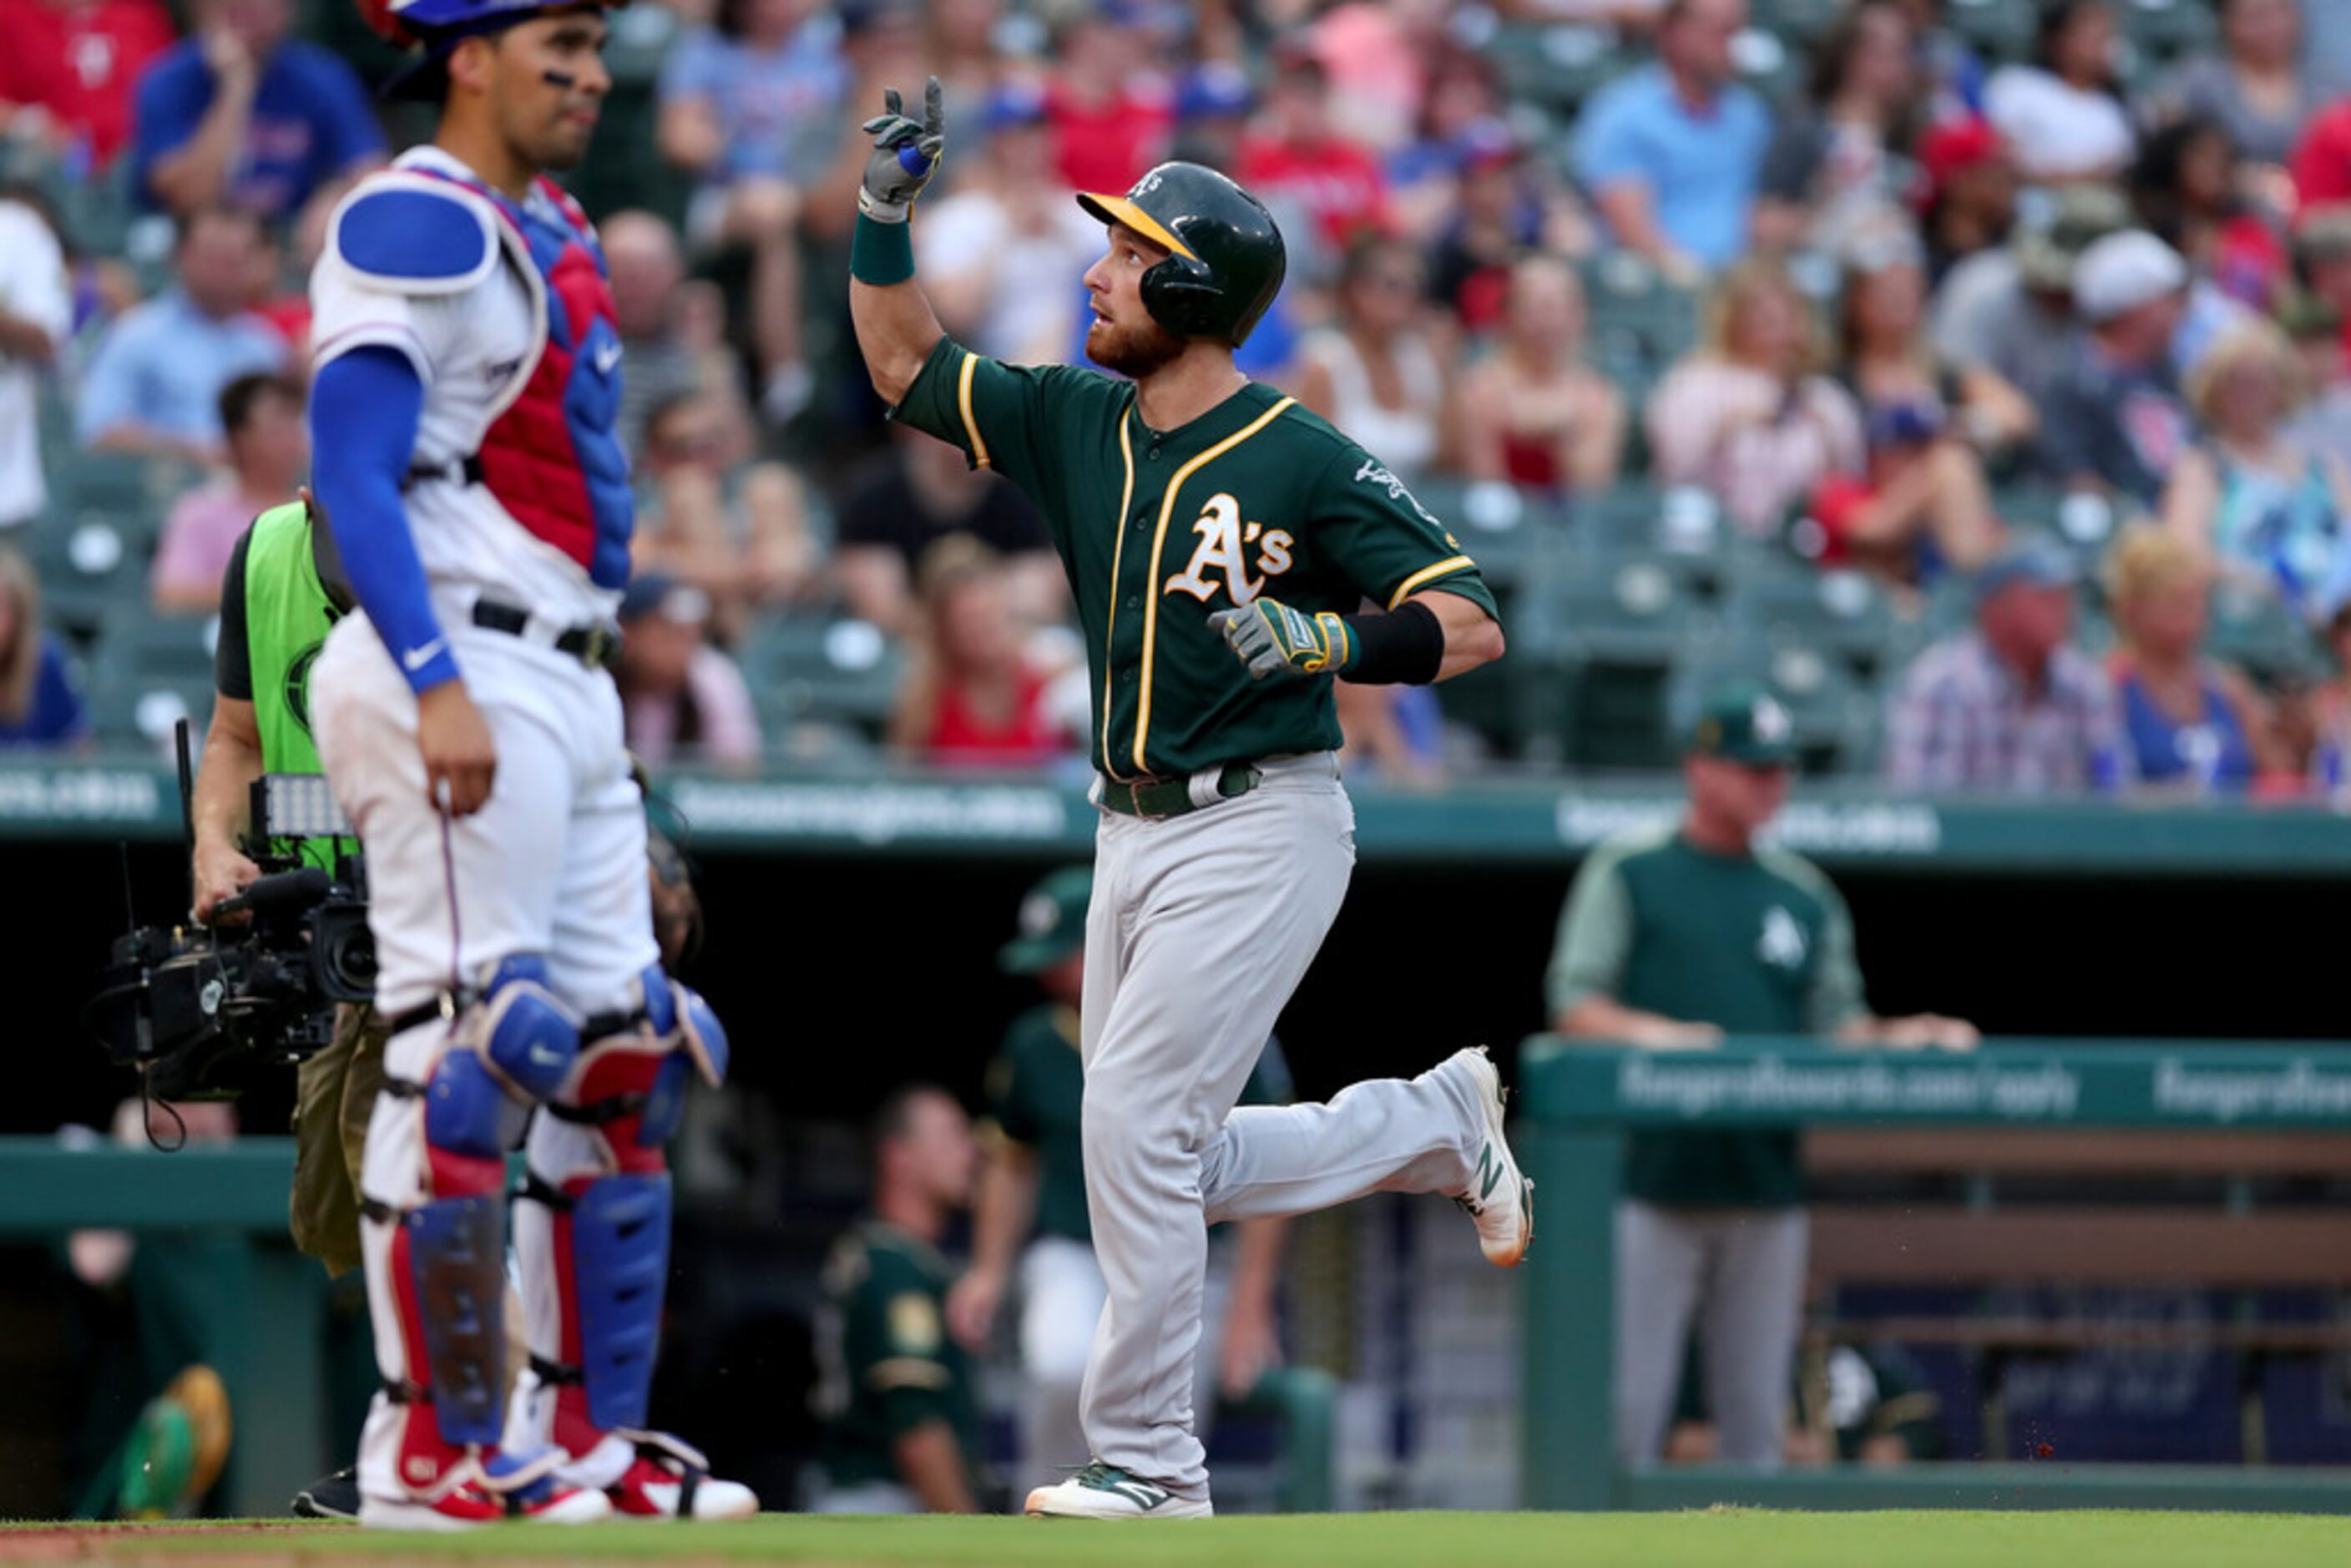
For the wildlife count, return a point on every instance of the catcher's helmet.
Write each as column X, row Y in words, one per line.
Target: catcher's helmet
column 1224, row 258
column 437, row 26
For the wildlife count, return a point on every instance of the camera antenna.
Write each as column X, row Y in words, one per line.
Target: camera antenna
column 187, row 785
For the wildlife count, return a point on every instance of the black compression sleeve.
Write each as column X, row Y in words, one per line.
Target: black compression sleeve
column 232, row 654
column 1403, row 646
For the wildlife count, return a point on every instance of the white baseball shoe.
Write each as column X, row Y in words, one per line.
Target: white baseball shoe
column 1105, row 1491
column 1500, row 1199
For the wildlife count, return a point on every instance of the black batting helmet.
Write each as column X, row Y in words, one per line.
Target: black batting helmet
column 1224, row 258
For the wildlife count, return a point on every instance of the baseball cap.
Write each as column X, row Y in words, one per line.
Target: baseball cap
column 2035, row 563
column 2046, row 251
column 2123, row 271
column 1015, row 104
column 1212, row 90
column 658, row 593
column 1052, row 922
column 1487, row 143
column 1743, row 721
column 1949, row 149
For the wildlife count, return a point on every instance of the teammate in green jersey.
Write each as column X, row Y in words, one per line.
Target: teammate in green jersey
column 1221, row 543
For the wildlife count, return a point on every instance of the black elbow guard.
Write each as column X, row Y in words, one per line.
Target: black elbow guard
column 1403, row 646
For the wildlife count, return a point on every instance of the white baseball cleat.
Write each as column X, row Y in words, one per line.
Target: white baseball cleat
column 1104, row 1491
column 1498, row 1197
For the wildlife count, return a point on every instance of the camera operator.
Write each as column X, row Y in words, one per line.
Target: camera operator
column 277, row 600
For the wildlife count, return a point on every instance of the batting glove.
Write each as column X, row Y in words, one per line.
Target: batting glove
column 905, row 157
column 1271, row 638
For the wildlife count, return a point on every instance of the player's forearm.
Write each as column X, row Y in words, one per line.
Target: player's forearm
column 26, row 340
column 1006, row 1208
column 896, row 330
column 930, row 1464
column 1603, row 1017
column 221, row 802
column 1472, row 637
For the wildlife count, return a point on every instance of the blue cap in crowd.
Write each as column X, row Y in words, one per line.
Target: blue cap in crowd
column 1015, row 104
column 1214, row 89
column 2035, row 563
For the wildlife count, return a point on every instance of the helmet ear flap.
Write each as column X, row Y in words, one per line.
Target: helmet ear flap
column 1181, row 296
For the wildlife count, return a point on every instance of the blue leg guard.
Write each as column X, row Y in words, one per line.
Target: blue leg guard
column 620, row 1269
column 457, row 1258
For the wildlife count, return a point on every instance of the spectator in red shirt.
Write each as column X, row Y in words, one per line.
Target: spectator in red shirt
column 1110, row 110
column 1307, row 159
column 2322, row 160
column 971, row 698
column 66, row 69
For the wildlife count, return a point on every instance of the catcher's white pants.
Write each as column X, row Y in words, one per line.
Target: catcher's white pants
column 1201, row 926
column 554, row 863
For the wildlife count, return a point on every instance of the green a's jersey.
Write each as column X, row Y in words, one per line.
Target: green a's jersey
column 284, row 615
column 885, row 1363
column 1757, row 944
column 1035, row 1089
column 1159, row 531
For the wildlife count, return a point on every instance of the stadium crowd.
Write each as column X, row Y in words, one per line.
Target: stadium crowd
column 1975, row 373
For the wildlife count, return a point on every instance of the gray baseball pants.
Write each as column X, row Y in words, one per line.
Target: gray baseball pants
column 1201, row 926
column 1743, row 1270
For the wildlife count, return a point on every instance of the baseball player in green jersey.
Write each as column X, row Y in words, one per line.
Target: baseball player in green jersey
column 1220, row 543
column 902, row 1430
column 1031, row 1206
column 1671, row 938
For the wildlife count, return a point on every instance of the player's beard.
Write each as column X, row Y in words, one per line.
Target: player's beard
column 1133, row 351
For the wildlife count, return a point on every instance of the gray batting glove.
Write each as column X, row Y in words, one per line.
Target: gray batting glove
column 905, row 157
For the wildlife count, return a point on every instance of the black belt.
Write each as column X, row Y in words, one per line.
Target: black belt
column 595, row 644
column 594, row 1027
column 465, row 470
column 1158, row 798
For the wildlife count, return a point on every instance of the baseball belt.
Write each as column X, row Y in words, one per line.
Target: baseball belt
column 1157, row 799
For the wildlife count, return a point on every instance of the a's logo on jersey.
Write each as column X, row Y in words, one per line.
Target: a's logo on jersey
column 298, row 685
column 1783, row 944
column 1225, row 545
column 1371, row 473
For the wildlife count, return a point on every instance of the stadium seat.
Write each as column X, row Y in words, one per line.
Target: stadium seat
column 1844, row 613
column 2001, row 30
column 2251, row 629
column 1641, row 321
column 1556, row 67
column 150, row 671
column 1834, row 716
column 93, row 572
column 1501, row 527
column 815, row 667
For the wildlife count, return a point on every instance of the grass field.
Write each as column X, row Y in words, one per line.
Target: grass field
column 1721, row 1539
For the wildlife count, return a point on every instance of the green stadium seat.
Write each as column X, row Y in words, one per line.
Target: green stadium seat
column 1556, row 66
column 1641, row 321
column 149, row 672
column 2160, row 31
column 1796, row 23
column 93, row 574
column 1844, row 613
column 2251, row 629
column 2001, row 30
column 812, row 667
column 1501, row 528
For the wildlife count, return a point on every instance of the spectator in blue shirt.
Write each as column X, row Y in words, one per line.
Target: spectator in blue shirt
column 1671, row 154
column 241, row 114
column 153, row 387
column 39, row 704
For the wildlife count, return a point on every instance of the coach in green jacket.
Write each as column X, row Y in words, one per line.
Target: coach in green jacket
column 1671, row 939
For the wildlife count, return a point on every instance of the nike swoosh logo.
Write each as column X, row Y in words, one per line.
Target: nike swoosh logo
column 416, row 659
column 607, row 356
column 542, row 1057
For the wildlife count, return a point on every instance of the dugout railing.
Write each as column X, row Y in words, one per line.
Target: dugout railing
column 1578, row 1101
